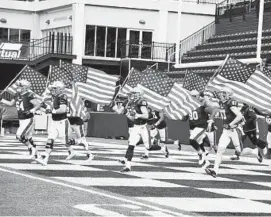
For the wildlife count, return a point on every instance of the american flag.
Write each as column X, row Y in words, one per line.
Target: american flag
column 76, row 103
column 249, row 86
column 133, row 80
column 266, row 72
column 38, row 81
column 156, row 87
column 93, row 85
column 58, row 74
column 193, row 81
column 181, row 103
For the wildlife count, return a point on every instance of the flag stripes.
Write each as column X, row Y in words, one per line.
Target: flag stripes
column 249, row 86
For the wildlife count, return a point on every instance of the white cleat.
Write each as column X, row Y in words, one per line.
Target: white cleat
column 71, row 155
column 90, row 157
column 206, row 164
column 41, row 161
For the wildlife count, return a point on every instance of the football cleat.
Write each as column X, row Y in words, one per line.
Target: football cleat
column 71, row 155
column 210, row 172
column 201, row 160
column 177, row 142
column 235, row 157
column 121, row 161
column 90, row 157
column 125, row 170
column 33, row 153
column 206, row 164
column 41, row 161
column 166, row 152
column 144, row 157
column 260, row 157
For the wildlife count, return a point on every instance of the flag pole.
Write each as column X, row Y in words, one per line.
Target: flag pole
column 13, row 80
column 178, row 37
column 186, row 71
column 127, row 77
column 260, row 28
column 218, row 70
column 49, row 75
column 220, row 67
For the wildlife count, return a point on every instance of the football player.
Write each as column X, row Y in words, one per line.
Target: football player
column 198, row 122
column 138, row 112
column 76, row 123
column 231, row 132
column 27, row 104
column 250, row 131
column 158, row 131
column 60, row 125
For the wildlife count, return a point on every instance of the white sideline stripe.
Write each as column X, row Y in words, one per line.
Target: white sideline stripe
column 19, row 166
column 212, row 204
column 242, row 193
column 15, row 156
column 176, row 175
column 161, row 159
column 133, row 182
column 266, row 184
column 251, row 167
column 221, row 171
column 101, row 163
column 94, row 192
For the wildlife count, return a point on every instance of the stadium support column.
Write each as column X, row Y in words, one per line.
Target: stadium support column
column 78, row 31
column 178, row 27
column 163, row 22
column 260, row 28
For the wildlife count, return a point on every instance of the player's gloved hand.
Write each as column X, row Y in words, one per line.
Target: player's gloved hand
column 48, row 111
column 112, row 104
column 210, row 126
column 28, row 112
column 53, row 111
column 152, row 127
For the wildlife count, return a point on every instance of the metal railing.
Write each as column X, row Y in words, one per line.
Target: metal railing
column 197, row 38
column 58, row 43
column 149, row 51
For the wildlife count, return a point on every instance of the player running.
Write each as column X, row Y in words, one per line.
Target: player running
column 27, row 104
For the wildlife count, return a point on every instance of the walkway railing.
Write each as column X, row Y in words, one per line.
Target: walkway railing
column 197, row 38
column 58, row 43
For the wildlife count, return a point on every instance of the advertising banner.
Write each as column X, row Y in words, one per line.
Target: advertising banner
column 14, row 50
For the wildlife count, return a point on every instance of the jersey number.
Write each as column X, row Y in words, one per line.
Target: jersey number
column 20, row 106
column 194, row 116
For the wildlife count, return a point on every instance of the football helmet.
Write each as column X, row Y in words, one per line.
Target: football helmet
column 135, row 94
column 196, row 94
column 225, row 94
column 57, row 88
column 23, row 86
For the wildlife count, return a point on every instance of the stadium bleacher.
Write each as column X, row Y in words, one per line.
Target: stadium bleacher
column 235, row 37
